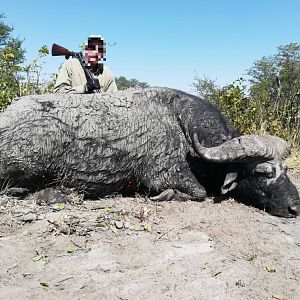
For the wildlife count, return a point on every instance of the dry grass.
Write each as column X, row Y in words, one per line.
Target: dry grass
column 294, row 160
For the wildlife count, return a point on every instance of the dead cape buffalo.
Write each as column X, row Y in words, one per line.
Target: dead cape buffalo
column 158, row 141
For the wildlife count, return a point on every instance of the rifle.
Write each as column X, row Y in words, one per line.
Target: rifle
column 58, row 50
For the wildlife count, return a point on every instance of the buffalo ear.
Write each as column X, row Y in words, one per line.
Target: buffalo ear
column 229, row 182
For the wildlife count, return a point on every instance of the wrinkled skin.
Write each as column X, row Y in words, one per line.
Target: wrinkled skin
column 271, row 191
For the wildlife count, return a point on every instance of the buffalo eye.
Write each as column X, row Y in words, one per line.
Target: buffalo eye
column 285, row 168
column 265, row 169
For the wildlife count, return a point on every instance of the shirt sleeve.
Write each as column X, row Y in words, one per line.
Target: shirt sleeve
column 64, row 82
column 109, row 81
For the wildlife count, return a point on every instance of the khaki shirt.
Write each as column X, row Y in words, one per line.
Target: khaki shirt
column 71, row 79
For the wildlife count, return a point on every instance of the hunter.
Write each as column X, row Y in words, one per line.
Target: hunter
column 86, row 74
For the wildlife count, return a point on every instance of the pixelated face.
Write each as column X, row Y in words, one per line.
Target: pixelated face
column 94, row 51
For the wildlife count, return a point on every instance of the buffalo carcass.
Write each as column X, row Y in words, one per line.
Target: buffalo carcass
column 158, row 141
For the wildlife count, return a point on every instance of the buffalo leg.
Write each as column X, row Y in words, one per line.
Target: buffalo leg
column 178, row 186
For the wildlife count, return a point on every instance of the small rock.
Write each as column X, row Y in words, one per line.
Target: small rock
column 29, row 218
column 119, row 224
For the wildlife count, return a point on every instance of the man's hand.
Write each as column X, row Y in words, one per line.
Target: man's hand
column 92, row 84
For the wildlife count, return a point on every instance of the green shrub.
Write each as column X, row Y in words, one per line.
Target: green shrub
column 272, row 105
column 17, row 79
column 11, row 57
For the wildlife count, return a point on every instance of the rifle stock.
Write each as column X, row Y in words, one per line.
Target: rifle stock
column 58, row 50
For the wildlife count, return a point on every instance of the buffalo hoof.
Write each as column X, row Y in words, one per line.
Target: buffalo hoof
column 15, row 192
column 172, row 194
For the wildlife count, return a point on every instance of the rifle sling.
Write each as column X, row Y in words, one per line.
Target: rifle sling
column 87, row 72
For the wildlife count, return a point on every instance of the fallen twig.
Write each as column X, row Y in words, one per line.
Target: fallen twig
column 65, row 279
column 164, row 234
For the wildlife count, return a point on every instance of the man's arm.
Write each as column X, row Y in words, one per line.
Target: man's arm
column 65, row 77
column 112, row 86
column 108, row 81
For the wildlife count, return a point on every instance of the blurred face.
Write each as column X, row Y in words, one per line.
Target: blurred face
column 94, row 53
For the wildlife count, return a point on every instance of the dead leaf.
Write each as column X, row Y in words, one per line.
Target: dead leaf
column 270, row 268
column 114, row 230
column 101, row 225
column 37, row 257
column 144, row 213
column 106, row 210
column 58, row 206
column 136, row 227
column 76, row 198
column 44, row 285
column 251, row 257
column 70, row 249
column 149, row 227
column 25, row 232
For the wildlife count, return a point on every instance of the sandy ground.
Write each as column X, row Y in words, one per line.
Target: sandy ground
column 125, row 248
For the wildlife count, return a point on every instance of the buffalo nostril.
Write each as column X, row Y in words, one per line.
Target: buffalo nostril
column 294, row 209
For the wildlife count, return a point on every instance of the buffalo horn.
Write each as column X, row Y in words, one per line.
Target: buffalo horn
column 244, row 148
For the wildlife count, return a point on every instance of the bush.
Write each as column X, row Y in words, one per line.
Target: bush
column 11, row 57
column 272, row 105
column 123, row 83
column 30, row 78
column 16, row 79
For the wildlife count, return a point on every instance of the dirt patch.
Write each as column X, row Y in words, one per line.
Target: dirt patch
column 132, row 248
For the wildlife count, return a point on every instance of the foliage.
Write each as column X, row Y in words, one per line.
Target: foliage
column 272, row 104
column 278, row 79
column 207, row 88
column 123, row 83
column 16, row 79
column 249, row 114
column 31, row 81
column 11, row 56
